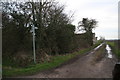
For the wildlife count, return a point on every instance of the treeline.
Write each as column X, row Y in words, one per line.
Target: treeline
column 54, row 33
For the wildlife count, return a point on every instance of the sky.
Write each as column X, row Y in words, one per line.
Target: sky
column 103, row 11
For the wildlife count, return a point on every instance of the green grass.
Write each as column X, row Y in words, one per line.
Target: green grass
column 114, row 48
column 55, row 61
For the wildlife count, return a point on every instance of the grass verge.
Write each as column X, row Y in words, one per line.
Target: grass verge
column 32, row 69
column 115, row 48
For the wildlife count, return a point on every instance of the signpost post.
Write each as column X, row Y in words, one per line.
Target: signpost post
column 33, row 30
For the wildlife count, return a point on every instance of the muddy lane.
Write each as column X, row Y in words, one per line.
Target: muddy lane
column 84, row 67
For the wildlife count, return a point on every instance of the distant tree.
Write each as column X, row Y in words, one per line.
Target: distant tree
column 102, row 39
column 87, row 26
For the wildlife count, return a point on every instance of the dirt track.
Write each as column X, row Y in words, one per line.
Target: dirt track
column 81, row 67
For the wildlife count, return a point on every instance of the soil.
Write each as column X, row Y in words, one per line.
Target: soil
column 82, row 66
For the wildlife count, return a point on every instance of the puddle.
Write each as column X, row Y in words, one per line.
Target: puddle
column 109, row 51
column 98, row 46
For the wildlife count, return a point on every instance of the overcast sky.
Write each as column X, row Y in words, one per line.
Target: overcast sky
column 104, row 11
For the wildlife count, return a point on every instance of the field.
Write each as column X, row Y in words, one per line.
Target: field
column 115, row 45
